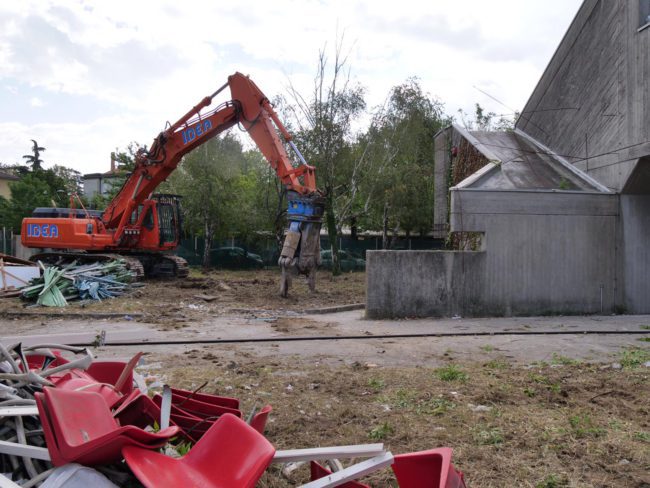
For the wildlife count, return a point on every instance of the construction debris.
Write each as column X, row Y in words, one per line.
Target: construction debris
column 58, row 414
column 95, row 281
column 15, row 273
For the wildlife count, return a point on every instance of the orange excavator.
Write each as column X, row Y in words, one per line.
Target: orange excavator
column 143, row 228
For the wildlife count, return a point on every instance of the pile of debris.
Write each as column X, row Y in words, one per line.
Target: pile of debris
column 80, row 422
column 15, row 273
column 95, row 281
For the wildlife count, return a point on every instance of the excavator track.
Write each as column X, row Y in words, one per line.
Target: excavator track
column 181, row 268
column 145, row 265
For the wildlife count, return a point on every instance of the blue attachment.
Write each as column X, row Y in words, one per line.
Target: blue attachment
column 302, row 210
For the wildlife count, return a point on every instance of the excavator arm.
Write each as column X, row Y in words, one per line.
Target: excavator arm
column 250, row 108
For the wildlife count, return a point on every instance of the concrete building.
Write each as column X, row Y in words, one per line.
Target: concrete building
column 553, row 217
column 102, row 183
column 5, row 179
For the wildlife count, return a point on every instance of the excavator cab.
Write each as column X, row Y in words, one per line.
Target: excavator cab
column 168, row 208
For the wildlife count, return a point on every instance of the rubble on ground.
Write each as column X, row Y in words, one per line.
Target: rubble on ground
column 96, row 281
column 74, row 422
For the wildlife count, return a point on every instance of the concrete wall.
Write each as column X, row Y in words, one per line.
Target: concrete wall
column 635, row 218
column 423, row 283
column 593, row 100
column 442, row 142
column 545, row 253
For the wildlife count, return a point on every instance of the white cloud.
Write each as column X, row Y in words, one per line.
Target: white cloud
column 151, row 62
column 36, row 102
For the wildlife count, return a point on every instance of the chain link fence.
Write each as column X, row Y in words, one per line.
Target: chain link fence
column 267, row 250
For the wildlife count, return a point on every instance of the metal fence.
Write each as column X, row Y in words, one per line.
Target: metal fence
column 6, row 241
column 191, row 248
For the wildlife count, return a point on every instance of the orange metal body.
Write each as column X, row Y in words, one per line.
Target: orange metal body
column 124, row 224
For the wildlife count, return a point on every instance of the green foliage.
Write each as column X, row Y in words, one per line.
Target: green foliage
column 553, row 481
column 487, row 121
column 381, row 432
column 376, row 384
column 451, row 373
column 642, row 436
column 226, row 192
column 634, row 357
column 397, row 191
column 489, row 436
column 558, row 359
column 34, row 160
column 583, row 426
column 29, row 192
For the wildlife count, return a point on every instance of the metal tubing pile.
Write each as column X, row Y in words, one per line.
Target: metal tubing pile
column 96, row 281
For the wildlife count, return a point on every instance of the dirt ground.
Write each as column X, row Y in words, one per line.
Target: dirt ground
column 234, row 291
column 558, row 424
column 513, row 419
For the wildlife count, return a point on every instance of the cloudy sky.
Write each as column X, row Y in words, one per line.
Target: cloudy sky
column 86, row 77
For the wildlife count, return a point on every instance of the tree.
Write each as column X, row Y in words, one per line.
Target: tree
column 487, row 121
column 26, row 194
column 325, row 133
column 209, row 179
column 400, row 142
column 34, row 159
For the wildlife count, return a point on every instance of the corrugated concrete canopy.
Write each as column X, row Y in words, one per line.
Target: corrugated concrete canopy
column 523, row 165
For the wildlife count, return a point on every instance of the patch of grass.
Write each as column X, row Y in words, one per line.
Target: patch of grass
column 645, row 327
column 563, row 360
column 404, row 398
column 491, row 436
column 376, row 384
column 644, row 339
column 435, row 406
column 583, row 426
column 642, row 436
column 487, row 348
column 634, row 357
column 451, row 373
column 497, row 364
column 530, row 392
column 552, row 481
column 381, row 432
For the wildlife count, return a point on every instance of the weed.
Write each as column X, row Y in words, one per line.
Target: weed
column 451, row 373
column 564, row 184
column 530, row 392
column 434, row 406
column 487, row 348
column 645, row 327
column 492, row 436
column 376, row 384
column 644, row 339
column 563, row 360
column 404, row 398
column 642, row 436
column 381, row 432
column 497, row 364
column 634, row 357
column 552, row 481
column 583, row 426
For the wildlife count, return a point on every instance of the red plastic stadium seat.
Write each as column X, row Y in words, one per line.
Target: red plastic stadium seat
column 230, row 455
column 259, row 420
column 208, row 398
column 427, row 469
column 109, row 372
column 318, row 472
column 82, row 428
